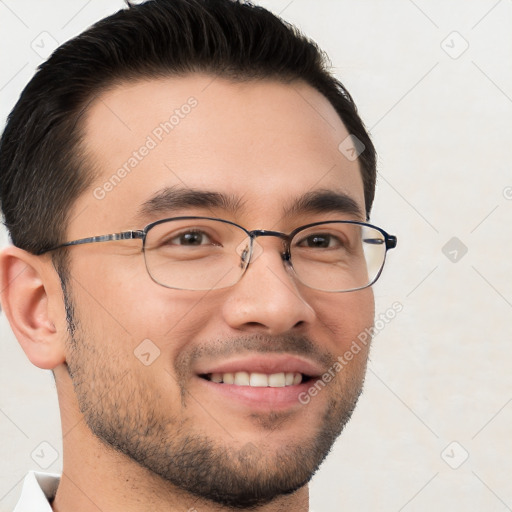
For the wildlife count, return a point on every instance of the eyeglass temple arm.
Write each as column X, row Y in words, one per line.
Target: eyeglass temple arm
column 125, row 235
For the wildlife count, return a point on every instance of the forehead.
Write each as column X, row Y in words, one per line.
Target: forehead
column 264, row 143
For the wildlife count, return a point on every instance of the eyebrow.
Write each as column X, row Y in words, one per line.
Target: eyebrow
column 171, row 199
column 326, row 201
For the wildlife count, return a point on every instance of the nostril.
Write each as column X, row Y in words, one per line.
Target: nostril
column 257, row 325
column 299, row 324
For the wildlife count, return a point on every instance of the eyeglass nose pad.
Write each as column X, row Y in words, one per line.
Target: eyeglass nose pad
column 247, row 256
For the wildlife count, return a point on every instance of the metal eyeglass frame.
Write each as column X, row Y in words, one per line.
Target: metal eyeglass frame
column 389, row 240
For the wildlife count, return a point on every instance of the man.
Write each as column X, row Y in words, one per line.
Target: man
column 187, row 191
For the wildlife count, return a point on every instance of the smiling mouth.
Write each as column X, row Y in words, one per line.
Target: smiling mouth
column 258, row 380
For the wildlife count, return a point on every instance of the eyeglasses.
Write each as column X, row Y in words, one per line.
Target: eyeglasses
column 203, row 253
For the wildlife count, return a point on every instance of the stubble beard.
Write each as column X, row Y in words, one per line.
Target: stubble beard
column 118, row 411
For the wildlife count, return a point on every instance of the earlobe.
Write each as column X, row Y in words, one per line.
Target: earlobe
column 29, row 289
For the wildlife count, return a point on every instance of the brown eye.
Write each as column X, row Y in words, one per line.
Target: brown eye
column 321, row 241
column 191, row 238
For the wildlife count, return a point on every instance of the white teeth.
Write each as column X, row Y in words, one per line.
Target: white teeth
column 242, row 379
column 259, row 380
column 227, row 378
column 277, row 380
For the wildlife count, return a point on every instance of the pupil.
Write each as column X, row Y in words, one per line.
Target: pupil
column 191, row 238
column 318, row 241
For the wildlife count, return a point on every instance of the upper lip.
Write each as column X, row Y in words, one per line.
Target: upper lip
column 269, row 364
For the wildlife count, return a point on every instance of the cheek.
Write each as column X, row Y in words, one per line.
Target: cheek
column 122, row 306
column 125, row 346
column 346, row 320
column 345, row 317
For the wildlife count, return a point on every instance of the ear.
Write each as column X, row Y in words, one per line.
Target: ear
column 31, row 298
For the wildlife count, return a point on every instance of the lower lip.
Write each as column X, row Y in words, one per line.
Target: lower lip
column 260, row 398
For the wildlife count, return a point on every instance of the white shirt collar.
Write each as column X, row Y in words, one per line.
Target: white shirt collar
column 38, row 490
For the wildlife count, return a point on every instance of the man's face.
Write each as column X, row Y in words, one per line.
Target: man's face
column 263, row 145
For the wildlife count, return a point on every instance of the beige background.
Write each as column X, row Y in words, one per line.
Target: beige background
column 439, row 386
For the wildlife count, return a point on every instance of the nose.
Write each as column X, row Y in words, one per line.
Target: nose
column 267, row 299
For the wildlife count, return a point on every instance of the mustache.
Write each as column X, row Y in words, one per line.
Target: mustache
column 298, row 345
